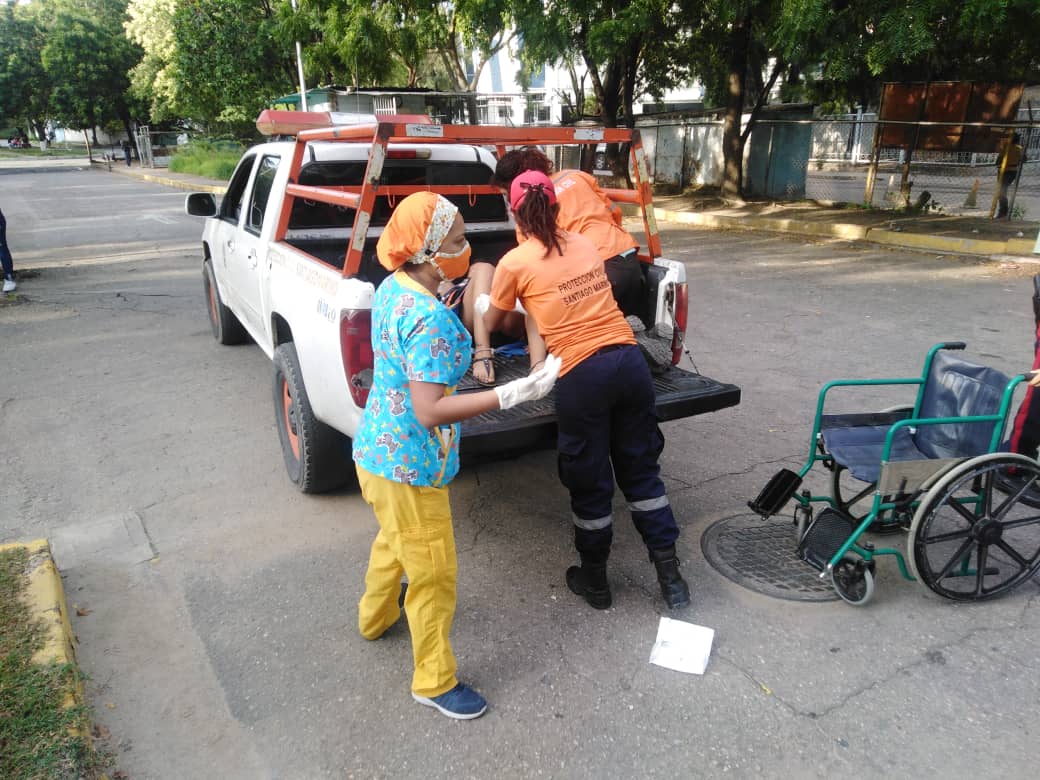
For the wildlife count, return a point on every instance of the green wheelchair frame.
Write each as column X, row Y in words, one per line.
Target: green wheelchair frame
column 962, row 514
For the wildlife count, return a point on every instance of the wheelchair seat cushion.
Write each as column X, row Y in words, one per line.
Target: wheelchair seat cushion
column 859, row 449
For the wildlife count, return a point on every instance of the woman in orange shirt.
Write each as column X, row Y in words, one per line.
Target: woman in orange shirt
column 585, row 209
column 605, row 405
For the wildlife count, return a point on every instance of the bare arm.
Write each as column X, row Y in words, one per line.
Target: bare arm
column 432, row 407
column 495, row 318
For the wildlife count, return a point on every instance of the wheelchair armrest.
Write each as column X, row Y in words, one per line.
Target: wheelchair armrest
column 917, row 422
column 855, row 383
column 863, row 419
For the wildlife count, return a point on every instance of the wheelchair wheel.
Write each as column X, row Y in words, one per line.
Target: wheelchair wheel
column 854, row 499
column 970, row 542
column 853, row 580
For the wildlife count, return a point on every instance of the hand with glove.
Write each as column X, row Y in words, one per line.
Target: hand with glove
column 529, row 388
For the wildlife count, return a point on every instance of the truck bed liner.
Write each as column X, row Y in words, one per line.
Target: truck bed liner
column 680, row 393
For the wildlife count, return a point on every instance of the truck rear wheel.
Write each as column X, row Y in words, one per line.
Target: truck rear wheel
column 225, row 325
column 316, row 455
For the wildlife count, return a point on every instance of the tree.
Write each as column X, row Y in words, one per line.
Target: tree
column 368, row 42
column 228, row 61
column 839, row 51
column 24, row 86
column 150, row 25
column 627, row 48
column 87, row 59
column 869, row 41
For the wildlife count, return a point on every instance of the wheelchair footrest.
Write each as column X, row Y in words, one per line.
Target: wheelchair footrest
column 777, row 492
column 828, row 531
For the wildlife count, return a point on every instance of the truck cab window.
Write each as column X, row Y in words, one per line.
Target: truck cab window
column 422, row 173
column 262, row 183
column 231, row 206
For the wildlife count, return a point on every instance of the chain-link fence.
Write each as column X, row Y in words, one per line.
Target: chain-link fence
column 829, row 159
column 965, row 179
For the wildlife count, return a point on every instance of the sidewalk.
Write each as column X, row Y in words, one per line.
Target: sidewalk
column 973, row 235
column 944, row 234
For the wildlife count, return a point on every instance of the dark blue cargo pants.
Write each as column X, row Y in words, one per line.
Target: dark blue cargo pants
column 608, row 430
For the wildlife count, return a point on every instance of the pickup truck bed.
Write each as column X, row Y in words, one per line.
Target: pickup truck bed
column 501, row 432
column 288, row 258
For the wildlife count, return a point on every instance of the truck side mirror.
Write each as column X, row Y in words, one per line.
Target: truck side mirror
column 200, row 204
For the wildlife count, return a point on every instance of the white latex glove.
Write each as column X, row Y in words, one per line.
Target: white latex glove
column 529, row 388
column 483, row 303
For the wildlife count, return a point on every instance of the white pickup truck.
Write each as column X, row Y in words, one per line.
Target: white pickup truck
column 289, row 261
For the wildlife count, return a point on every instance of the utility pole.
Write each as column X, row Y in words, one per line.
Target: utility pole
column 299, row 68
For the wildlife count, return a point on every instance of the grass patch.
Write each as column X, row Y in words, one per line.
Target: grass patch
column 36, row 738
column 211, row 159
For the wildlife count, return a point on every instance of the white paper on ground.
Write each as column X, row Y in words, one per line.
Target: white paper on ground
column 684, row 647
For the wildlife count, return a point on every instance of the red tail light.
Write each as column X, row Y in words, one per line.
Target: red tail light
column 680, row 302
column 355, row 346
column 408, row 154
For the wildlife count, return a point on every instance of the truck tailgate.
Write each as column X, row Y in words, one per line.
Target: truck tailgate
column 680, row 393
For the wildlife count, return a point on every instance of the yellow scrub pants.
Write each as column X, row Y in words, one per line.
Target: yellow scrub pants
column 415, row 537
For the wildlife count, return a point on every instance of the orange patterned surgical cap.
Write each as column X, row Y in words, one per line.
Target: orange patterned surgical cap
column 416, row 230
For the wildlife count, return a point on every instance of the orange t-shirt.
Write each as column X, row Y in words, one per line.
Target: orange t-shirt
column 568, row 295
column 585, row 209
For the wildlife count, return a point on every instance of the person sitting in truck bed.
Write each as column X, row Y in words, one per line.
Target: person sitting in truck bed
column 406, row 447
column 605, row 406
column 515, row 326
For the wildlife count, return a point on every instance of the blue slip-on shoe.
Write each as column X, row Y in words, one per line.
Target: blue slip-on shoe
column 460, row 703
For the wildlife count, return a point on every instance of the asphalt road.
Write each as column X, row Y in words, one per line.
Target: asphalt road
column 215, row 607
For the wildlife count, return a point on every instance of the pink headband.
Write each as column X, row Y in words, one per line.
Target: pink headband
column 530, row 181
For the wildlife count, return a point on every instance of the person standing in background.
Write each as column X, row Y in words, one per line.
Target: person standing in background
column 1009, row 163
column 5, row 258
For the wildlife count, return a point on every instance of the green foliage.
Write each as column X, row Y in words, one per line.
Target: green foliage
column 36, row 737
column 212, row 158
column 227, row 61
column 87, row 58
column 24, row 86
column 628, row 48
column 854, row 45
column 150, row 26
column 408, row 42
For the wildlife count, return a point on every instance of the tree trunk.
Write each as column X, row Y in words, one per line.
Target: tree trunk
column 732, row 146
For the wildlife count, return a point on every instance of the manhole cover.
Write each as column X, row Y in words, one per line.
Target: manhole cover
column 760, row 555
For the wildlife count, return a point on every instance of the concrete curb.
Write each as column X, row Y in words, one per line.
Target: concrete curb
column 1021, row 247
column 169, row 181
column 46, row 600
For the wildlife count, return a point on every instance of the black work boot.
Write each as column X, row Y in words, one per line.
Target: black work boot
column 673, row 587
column 590, row 582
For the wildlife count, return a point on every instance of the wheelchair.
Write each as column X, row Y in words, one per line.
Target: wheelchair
column 931, row 470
